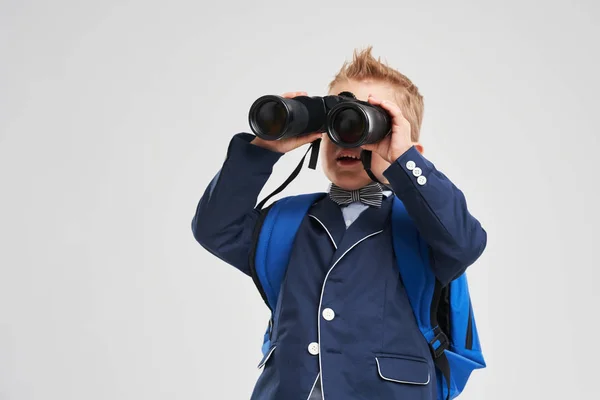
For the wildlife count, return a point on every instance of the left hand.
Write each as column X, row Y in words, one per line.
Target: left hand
column 398, row 141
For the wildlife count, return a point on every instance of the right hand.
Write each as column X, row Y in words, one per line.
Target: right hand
column 291, row 143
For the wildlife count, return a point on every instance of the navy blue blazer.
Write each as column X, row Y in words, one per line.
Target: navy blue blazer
column 342, row 308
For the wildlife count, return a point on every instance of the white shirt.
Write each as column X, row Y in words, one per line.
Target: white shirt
column 353, row 210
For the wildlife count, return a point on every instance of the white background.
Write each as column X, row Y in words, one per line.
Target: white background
column 114, row 116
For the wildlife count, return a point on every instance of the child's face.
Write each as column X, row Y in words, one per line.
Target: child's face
column 350, row 173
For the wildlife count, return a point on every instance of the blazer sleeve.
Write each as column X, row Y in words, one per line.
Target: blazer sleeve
column 439, row 211
column 225, row 216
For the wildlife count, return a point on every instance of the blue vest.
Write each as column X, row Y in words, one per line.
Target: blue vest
column 444, row 314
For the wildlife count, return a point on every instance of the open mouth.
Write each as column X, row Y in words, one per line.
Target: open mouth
column 348, row 159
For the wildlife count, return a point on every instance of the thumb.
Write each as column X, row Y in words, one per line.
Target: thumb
column 310, row 138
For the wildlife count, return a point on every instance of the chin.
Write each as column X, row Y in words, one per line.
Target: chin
column 351, row 181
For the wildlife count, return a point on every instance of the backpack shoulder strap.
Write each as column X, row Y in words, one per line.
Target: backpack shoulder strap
column 444, row 314
column 412, row 254
column 274, row 237
column 422, row 288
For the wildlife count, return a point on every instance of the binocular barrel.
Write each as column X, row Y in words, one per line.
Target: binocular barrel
column 274, row 117
column 347, row 121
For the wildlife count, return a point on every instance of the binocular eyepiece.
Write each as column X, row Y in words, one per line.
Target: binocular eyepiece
column 348, row 122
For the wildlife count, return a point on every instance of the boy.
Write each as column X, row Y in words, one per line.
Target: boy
column 344, row 328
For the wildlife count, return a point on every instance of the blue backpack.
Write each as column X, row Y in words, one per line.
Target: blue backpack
column 444, row 314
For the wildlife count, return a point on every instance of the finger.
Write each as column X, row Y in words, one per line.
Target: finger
column 289, row 95
column 314, row 136
column 369, row 147
column 299, row 141
column 388, row 105
column 393, row 109
column 310, row 138
column 374, row 100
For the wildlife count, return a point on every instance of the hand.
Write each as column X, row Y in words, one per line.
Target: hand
column 288, row 144
column 399, row 140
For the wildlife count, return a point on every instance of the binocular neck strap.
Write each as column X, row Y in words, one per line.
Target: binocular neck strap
column 314, row 156
column 312, row 164
column 365, row 157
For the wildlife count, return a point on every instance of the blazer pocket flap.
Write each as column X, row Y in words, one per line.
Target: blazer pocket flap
column 266, row 357
column 403, row 369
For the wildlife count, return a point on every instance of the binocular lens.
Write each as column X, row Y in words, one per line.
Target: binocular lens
column 353, row 124
column 275, row 117
column 271, row 117
column 349, row 125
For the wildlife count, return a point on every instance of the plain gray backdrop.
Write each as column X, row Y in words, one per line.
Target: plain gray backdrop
column 115, row 115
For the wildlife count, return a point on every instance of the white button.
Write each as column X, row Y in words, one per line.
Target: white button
column 348, row 222
column 313, row 348
column 410, row 165
column 417, row 171
column 328, row 314
column 421, row 180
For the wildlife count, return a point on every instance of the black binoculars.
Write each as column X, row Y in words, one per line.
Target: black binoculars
column 348, row 122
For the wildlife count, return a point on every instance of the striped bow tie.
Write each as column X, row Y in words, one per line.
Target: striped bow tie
column 370, row 195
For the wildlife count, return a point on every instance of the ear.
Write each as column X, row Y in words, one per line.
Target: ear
column 419, row 147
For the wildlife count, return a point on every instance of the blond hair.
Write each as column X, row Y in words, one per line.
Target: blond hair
column 365, row 67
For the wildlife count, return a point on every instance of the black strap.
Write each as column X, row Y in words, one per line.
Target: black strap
column 439, row 356
column 440, row 341
column 444, row 366
column 365, row 157
column 314, row 156
column 469, row 339
column 312, row 165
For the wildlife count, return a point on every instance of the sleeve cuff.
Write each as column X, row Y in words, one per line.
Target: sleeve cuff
column 241, row 150
column 410, row 170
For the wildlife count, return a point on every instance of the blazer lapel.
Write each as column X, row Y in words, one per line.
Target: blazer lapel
column 369, row 223
column 328, row 214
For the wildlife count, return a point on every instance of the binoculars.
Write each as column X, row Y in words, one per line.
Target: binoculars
column 348, row 122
